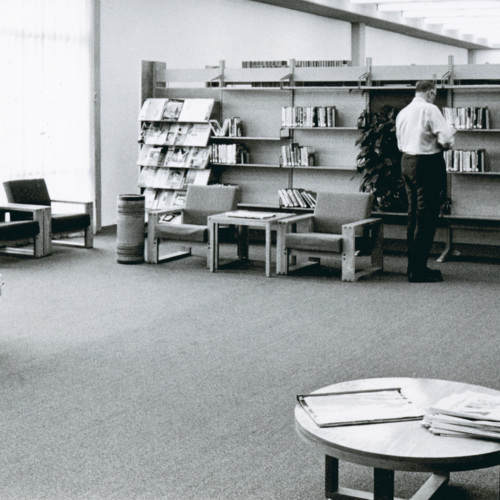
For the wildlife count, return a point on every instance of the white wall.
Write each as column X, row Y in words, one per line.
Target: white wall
column 390, row 49
column 195, row 33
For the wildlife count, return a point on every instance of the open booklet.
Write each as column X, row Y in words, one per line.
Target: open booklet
column 249, row 214
column 359, row 407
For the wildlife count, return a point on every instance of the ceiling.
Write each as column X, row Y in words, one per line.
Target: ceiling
column 471, row 24
column 476, row 20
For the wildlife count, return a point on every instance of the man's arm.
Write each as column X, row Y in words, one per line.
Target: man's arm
column 441, row 129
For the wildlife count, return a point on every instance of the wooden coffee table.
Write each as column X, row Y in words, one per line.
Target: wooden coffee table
column 398, row 446
column 243, row 223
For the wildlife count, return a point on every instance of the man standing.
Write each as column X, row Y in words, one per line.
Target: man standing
column 423, row 134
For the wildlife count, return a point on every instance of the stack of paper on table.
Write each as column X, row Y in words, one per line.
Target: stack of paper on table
column 467, row 414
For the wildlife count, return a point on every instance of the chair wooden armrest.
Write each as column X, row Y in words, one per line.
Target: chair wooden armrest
column 41, row 214
column 364, row 223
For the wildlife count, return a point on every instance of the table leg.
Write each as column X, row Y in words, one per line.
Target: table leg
column 280, row 251
column 331, row 476
column 243, row 242
column 268, row 250
column 213, row 251
column 383, row 484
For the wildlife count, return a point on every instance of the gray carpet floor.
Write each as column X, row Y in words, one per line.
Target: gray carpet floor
column 168, row 381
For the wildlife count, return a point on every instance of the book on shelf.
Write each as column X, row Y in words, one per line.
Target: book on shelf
column 155, row 133
column 197, row 177
column 298, row 64
column 229, row 153
column 152, row 109
column 467, row 414
column 178, row 200
column 146, row 177
column 181, row 133
column 461, row 160
column 196, row 110
column 308, row 116
column 198, row 157
column 231, row 127
column 161, row 178
column 296, row 198
column 150, row 199
column 359, row 407
column 298, row 156
column 164, row 199
column 175, row 178
column 198, row 135
column 177, row 156
column 151, row 156
column 467, row 118
column 172, row 109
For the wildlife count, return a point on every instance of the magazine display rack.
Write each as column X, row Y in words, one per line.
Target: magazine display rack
column 174, row 151
column 260, row 96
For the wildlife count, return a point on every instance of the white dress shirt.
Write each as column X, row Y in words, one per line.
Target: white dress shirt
column 422, row 130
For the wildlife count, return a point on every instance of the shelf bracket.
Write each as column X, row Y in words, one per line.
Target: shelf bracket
column 287, row 78
column 363, row 78
column 219, row 78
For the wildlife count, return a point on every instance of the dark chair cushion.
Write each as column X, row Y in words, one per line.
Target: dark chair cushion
column 27, row 191
column 66, row 223
column 12, row 231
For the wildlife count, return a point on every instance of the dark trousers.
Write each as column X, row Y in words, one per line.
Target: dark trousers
column 425, row 181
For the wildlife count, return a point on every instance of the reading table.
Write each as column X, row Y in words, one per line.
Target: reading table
column 243, row 219
column 397, row 446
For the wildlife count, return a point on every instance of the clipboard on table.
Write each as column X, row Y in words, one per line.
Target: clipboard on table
column 359, row 407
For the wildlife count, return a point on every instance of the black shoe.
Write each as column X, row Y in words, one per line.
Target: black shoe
column 428, row 276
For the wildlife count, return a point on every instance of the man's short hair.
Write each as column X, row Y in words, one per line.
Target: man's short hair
column 424, row 86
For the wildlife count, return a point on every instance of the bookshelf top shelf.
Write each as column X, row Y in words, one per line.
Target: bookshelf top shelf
column 244, row 138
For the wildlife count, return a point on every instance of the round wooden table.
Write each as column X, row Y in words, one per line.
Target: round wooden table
column 397, row 446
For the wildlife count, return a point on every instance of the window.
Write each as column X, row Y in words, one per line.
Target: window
column 46, row 94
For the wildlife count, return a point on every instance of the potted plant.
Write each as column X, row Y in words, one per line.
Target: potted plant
column 379, row 160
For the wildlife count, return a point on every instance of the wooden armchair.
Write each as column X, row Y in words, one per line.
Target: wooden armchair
column 341, row 224
column 201, row 202
column 17, row 232
column 35, row 192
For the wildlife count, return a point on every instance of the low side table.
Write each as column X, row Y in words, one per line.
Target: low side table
column 397, row 446
column 269, row 224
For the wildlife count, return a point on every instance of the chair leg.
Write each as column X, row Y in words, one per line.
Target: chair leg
column 152, row 247
column 348, row 254
column 377, row 255
column 89, row 237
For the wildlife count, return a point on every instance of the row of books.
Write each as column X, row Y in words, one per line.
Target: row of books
column 468, row 414
column 467, row 118
column 297, row 156
column 460, row 160
column 176, row 156
column 308, row 116
column 178, row 134
column 231, row 127
column 162, row 200
column 182, row 110
column 298, row 64
column 171, row 178
column 300, row 198
column 229, row 153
